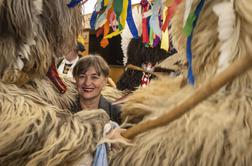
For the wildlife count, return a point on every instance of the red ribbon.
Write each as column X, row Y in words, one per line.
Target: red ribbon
column 145, row 32
column 170, row 13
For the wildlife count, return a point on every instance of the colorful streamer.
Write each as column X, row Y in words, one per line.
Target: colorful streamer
column 190, row 76
column 130, row 21
column 120, row 12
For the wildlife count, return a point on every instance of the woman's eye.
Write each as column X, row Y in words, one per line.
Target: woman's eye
column 94, row 77
column 82, row 76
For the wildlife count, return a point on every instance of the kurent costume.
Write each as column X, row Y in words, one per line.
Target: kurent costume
column 135, row 52
column 37, row 127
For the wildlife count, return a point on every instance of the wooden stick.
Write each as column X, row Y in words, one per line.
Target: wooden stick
column 236, row 69
column 133, row 67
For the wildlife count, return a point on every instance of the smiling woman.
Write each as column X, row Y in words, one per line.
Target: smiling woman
column 91, row 74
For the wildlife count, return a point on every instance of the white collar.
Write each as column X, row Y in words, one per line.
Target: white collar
column 65, row 61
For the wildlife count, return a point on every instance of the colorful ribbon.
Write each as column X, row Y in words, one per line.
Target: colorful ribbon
column 112, row 13
column 145, row 34
column 154, row 19
column 190, row 76
column 130, row 21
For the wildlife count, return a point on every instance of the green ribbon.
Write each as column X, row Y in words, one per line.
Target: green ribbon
column 188, row 28
column 151, row 37
column 118, row 6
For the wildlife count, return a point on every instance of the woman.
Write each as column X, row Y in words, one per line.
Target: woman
column 91, row 75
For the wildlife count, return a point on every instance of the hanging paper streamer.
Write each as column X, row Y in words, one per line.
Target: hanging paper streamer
column 190, row 25
column 93, row 19
column 105, row 42
column 118, row 7
column 165, row 35
column 154, row 19
column 171, row 10
column 151, row 38
column 130, row 21
column 122, row 21
column 145, row 32
column 114, row 14
column 113, row 22
column 151, row 22
column 101, row 17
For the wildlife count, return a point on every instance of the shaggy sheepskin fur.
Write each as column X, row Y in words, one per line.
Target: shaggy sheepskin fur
column 37, row 129
column 34, row 32
column 37, row 132
column 217, row 131
column 36, row 126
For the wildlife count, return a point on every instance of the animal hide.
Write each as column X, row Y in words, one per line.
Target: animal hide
column 217, row 131
column 36, row 126
column 37, row 132
column 34, row 32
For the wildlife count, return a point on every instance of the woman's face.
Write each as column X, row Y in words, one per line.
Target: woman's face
column 90, row 84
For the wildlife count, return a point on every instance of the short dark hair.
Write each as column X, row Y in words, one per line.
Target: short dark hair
column 88, row 61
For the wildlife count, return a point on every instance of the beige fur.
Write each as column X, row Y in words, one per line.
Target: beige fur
column 34, row 39
column 37, row 129
column 217, row 131
column 111, row 94
column 36, row 125
column 142, row 101
column 34, row 132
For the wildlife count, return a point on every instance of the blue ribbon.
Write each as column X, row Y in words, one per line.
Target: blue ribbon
column 93, row 20
column 73, row 3
column 190, row 76
column 130, row 21
column 97, row 8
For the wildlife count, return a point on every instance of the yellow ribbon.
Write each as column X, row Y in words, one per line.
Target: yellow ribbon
column 165, row 35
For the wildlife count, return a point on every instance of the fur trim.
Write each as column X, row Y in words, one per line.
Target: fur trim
column 227, row 35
